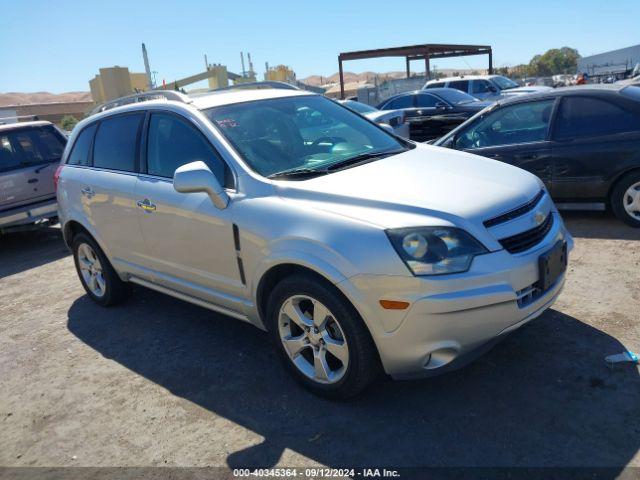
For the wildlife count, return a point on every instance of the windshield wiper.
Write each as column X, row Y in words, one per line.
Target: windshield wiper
column 362, row 158
column 299, row 172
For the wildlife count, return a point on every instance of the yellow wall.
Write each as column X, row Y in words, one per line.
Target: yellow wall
column 115, row 82
column 220, row 79
column 280, row 73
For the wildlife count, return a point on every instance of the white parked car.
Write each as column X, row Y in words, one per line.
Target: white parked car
column 355, row 249
column 393, row 118
column 485, row 87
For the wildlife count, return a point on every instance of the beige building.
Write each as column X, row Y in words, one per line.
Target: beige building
column 280, row 73
column 115, row 82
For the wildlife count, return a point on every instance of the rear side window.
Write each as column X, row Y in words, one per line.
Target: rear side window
column 80, row 153
column 480, row 86
column 30, row 146
column 116, row 141
column 584, row 116
column 400, row 102
column 426, row 101
column 462, row 85
column 172, row 142
column 436, row 85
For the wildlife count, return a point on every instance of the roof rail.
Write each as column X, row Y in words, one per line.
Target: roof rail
column 142, row 97
column 258, row 85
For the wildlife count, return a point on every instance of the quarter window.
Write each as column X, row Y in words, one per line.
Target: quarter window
column 583, row 117
column 436, row 85
column 172, row 142
column 116, row 142
column 81, row 149
column 462, row 85
column 520, row 123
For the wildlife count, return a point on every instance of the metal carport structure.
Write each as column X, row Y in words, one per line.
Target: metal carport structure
column 416, row 52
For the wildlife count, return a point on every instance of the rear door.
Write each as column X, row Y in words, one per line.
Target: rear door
column 189, row 242
column 28, row 159
column 103, row 185
column 517, row 134
column 593, row 141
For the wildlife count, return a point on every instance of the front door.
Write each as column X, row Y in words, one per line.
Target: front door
column 189, row 242
column 516, row 134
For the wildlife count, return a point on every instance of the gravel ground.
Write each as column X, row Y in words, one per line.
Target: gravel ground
column 159, row 382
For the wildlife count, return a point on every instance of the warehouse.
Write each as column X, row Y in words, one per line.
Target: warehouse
column 618, row 64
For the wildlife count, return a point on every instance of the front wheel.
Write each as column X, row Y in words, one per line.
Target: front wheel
column 321, row 338
column 625, row 199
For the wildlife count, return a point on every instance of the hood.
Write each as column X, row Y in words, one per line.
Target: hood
column 427, row 183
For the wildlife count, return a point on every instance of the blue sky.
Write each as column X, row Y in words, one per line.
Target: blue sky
column 59, row 45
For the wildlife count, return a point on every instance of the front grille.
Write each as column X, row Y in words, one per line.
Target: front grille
column 510, row 215
column 526, row 240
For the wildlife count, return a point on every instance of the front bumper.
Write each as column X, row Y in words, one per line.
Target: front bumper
column 453, row 318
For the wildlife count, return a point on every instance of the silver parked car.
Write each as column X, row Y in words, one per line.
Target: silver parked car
column 485, row 87
column 393, row 118
column 355, row 249
column 29, row 155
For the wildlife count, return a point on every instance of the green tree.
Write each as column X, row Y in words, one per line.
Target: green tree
column 554, row 61
column 68, row 122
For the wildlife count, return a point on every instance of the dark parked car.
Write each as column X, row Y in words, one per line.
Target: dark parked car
column 432, row 114
column 583, row 142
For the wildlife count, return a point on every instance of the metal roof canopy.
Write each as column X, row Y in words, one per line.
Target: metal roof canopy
column 416, row 52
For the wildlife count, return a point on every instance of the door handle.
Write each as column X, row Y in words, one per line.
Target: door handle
column 32, row 180
column 146, row 205
column 87, row 192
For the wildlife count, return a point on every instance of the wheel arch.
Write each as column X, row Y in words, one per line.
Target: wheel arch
column 620, row 177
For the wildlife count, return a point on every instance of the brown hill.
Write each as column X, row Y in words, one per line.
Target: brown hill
column 19, row 98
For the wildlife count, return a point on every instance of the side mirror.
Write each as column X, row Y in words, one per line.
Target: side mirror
column 388, row 128
column 196, row 177
column 493, row 89
column 442, row 106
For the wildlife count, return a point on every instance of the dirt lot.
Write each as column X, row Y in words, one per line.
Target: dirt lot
column 161, row 382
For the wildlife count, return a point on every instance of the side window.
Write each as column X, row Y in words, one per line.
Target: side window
column 80, row 152
column 400, row 102
column 9, row 157
column 115, row 144
column 172, row 142
column 462, row 85
column 519, row 123
column 426, row 101
column 480, row 86
column 583, row 116
column 436, row 85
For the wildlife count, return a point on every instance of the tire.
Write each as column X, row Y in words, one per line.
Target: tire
column 112, row 290
column 342, row 327
column 622, row 199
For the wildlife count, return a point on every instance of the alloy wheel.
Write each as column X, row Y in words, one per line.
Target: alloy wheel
column 631, row 201
column 91, row 270
column 313, row 339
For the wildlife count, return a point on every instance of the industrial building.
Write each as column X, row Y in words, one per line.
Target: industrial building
column 618, row 64
column 115, row 82
column 53, row 112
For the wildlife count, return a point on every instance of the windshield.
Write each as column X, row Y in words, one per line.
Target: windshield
column 307, row 132
column 504, row 83
column 455, row 96
column 359, row 107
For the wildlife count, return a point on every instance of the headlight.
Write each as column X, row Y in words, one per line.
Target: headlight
column 435, row 250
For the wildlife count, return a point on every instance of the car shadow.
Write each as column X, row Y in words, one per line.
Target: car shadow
column 542, row 397
column 26, row 250
column 602, row 225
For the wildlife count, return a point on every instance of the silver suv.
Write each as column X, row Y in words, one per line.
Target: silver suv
column 485, row 87
column 29, row 155
column 357, row 250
